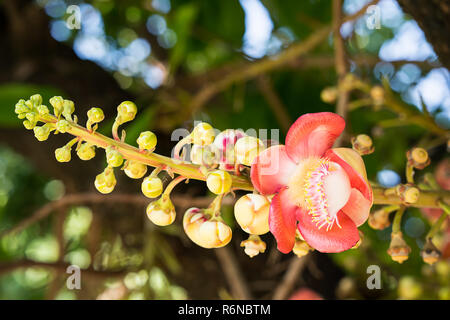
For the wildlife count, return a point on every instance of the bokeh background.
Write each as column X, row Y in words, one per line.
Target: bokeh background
column 187, row 60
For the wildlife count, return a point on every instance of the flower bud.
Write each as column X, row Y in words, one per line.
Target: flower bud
column 126, row 111
column 113, row 157
column 430, row 254
column 28, row 124
column 418, row 158
column 147, row 140
column 43, row 110
column 162, row 211
column 21, row 107
column 301, row 248
column 362, row 144
column 224, row 143
column 105, row 181
column 203, row 155
column 68, row 108
column 62, row 126
column 377, row 94
column 32, row 117
column 95, row 115
column 408, row 193
column 379, row 219
column 36, row 100
column 219, row 182
column 252, row 213
column 86, row 151
column 247, row 148
column 398, row 249
column 204, row 231
column 135, row 169
column 152, row 187
column 329, row 94
column 203, row 134
column 63, row 154
column 57, row 104
column 253, row 246
column 42, row 133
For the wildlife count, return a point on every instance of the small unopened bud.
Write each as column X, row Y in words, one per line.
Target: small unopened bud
column 113, row 157
column 28, row 124
column 219, row 182
column 329, row 94
column 408, row 193
column 418, row 158
column 348, row 82
column 152, row 187
column 63, row 154
column 430, row 254
column 203, row 155
column 147, row 140
column 379, row 219
column 62, row 126
column 162, row 211
column 224, row 143
column 301, row 248
column 205, row 231
column 43, row 110
column 203, row 134
column 36, row 100
column 247, row 149
column 398, row 249
column 253, row 246
column 57, row 104
column 126, row 111
column 252, row 213
column 21, row 107
column 135, row 169
column 377, row 94
column 363, row 144
column 32, row 117
column 105, row 181
column 95, row 115
column 86, row 151
column 42, row 133
column 68, row 108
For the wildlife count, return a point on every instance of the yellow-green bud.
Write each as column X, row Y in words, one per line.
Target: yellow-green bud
column 42, row 133
column 418, row 158
column 68, row 108
column 329, row 94
column 86, row 151
column 32, row 117
column 57, row 104
column 247, row 149
column 152, row 187
column 253, row 246
column 22, row 115
column 21, row 107
column 126, row 111
column 95, row 115
column 301, row 248
column 105, row 181
column 135, row 169
column 377, row 94
column 63, row 154
column 362, row 144
column 28, row 124
column 203, row 155
column 147, row 140
column 203, row 134
column 162, row 211
column 43, row 110
column 252, row 213
column 62, row 126
column 113, row 157
column 219, row 182
column 36, row 100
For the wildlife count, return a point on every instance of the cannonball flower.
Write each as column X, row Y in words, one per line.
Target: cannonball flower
column 322, row 191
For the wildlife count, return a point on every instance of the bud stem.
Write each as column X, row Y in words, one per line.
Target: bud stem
column 437, row 225
column 398, row 219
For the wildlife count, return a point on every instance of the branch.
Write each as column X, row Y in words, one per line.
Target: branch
column 293, row 272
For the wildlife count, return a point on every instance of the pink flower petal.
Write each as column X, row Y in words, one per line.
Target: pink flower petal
column 313, row 134
column 305, row 294
column 271, row 170
column 337, row 239
column 354, row 166
column 282, row 221
column 357, row 207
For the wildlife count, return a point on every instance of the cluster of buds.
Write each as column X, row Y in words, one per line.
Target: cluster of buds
column 398, row 249
column 363, row 144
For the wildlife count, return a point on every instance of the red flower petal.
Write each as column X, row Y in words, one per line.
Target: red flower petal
column 282, row 221
column 271, row 170
column 334, row 240
column 313, row 134
column 305, row 294
column 357, row 207
column 354, row 166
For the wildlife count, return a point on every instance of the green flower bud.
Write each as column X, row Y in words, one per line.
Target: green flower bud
column 63, row 154
column 42, row 133
column 57, row 104
column 147, row 140
column 29, row 125
column 68, row 108
column 36, row 100
column 113, row 157
column 32, row 117
column 43, row 110
column 95, row 115
column 105, row 181
column 126, row 111
column 152, row 187
column 135, row 169
column 62, row 126
column 21, row 115
column 21, row 107
column 86, row 151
